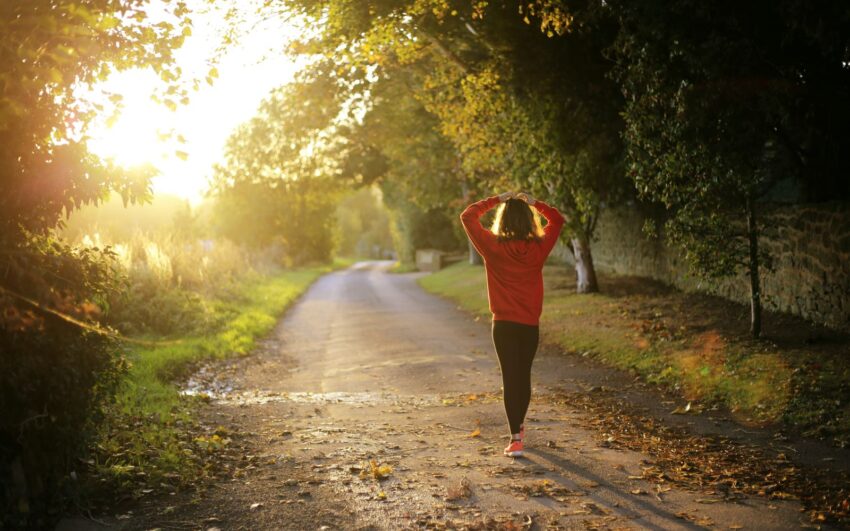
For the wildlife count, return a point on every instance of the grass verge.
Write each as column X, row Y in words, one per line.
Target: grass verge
column 696, row 345
column 147, row 439
column 400, row 267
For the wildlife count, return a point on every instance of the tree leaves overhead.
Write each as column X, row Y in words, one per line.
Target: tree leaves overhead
column 52, row 48
column 510, row 96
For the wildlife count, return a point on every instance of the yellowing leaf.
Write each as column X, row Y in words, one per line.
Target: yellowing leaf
column 475, row 433
column 380, row 472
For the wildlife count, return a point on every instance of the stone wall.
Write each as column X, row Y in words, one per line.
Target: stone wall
column 810, row 245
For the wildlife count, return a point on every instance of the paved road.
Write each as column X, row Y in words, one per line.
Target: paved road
column 369, row 367
column 364, row 330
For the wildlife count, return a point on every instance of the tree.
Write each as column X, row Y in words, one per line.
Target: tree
column 54, row 371
column 278, row 185
column 540, row 113
column 500, row 93
column 58, row 46
column 724, row 100
column 416, row 167
column 363, row 224
column 53, row 48
column 363, row 133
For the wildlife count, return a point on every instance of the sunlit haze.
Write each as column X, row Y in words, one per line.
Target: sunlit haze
column 248, row 70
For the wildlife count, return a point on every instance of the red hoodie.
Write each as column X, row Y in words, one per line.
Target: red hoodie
column 514, row 267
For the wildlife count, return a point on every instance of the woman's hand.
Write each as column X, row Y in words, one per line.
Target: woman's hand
column 507, row 195
column 525, row 197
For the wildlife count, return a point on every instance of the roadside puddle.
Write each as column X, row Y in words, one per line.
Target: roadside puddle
column 224, row 394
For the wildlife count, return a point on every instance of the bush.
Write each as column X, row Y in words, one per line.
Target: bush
column 52, row 385
column 55, row 375
column 59, row 374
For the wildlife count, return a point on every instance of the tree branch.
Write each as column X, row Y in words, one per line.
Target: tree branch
column 445, row 52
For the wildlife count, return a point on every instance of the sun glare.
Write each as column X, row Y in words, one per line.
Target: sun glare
column 136, row 136
column 184, row 144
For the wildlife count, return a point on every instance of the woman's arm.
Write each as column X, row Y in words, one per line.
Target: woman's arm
column 554, row 224
column 481, row 238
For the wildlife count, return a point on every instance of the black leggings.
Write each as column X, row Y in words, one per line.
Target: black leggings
column 516, row 344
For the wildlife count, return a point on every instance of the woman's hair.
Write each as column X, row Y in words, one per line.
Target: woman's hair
column 515, row 220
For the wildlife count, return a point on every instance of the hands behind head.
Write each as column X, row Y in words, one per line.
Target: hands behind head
column 525, row 197
column 522, row 196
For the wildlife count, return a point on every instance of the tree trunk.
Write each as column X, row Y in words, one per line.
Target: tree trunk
column 585, row 273
column 755, row 282
column 474, row 257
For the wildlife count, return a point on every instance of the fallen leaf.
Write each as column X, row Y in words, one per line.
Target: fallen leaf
column 475, row 433
column 463, row 490
column 681, row 410
column 380, row 472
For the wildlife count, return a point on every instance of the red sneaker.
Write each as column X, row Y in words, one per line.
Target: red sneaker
column 514, row 449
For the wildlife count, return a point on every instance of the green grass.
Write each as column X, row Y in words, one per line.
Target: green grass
column 147, row 437
column 400, row 267
column 463, row 283
column 662, row 337
column 149, row 384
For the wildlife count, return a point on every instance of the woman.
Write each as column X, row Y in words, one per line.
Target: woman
column 514, row 251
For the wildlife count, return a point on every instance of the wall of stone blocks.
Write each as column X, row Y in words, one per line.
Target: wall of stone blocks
column 810, row 245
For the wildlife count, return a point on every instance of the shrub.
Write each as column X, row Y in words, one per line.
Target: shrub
column 55, row 375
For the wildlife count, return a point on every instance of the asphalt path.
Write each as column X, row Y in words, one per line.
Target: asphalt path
column 369, row 368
